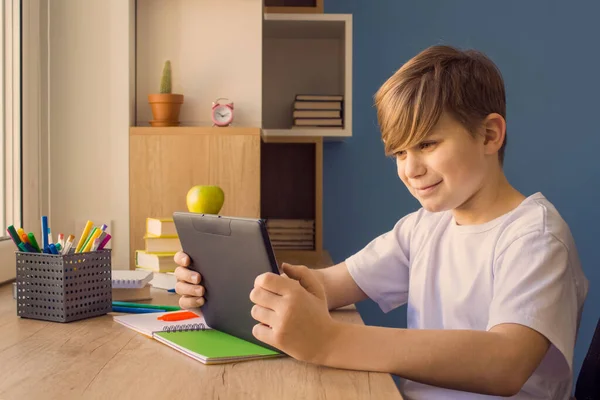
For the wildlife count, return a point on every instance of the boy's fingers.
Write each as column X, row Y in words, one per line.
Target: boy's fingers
column 185, row 275
column 186, row 289
column 188, row 302
column 273, row 283
column 263, row 333
column 181, row 259
column 263, row 315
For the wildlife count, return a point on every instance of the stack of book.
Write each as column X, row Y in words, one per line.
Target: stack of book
column 161, row 244
column 291, row 234
column 318, row 111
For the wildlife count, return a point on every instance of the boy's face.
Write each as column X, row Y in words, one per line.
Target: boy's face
column 446, row 169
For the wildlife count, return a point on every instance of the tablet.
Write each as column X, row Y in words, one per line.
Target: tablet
column 229, row 253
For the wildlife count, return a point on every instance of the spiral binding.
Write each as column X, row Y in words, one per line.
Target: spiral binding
column 185, row 327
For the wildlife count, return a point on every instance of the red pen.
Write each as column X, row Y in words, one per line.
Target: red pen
column 179, row 316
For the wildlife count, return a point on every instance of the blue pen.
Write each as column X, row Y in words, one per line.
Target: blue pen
column 44, row 232
column 135, row 310
column 52, row 248
column 29, row 247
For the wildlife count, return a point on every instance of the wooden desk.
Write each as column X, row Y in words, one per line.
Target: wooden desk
column 100, row 359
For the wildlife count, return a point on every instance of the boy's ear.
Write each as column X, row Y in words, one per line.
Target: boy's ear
column 494, row 131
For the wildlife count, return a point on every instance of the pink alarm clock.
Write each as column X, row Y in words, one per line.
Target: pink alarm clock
column 222, row 112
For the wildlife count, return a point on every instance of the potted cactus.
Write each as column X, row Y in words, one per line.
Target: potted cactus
column 165, row 105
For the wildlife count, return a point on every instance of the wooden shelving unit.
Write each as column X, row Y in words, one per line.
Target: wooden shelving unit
column 262, row 177
column 305, row 54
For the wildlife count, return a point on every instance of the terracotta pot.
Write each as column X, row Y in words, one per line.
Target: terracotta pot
column 165, row 108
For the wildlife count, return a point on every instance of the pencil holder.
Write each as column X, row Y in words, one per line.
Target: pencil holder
column 64, row 288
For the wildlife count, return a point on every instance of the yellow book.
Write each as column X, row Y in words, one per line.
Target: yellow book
column 160, row 227
column 157, row 262
column 162, row 244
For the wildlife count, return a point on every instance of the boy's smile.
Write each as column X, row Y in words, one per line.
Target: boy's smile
column 446, row 168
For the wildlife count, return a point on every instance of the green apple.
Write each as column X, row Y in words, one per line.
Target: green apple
column 205, row 199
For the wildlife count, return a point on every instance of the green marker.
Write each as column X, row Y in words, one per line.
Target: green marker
column 14, row 235
column 87, row 239
column 33, row 241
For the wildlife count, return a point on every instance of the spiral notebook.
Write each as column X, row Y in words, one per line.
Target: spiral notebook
column 195, row 339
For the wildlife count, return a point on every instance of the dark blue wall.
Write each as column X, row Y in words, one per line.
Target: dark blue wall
column 549, row 55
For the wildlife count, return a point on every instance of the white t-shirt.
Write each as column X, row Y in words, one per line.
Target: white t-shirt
column 522, row 268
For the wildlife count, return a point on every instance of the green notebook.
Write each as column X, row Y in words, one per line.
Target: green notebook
column 213, row 347
column 195, row 339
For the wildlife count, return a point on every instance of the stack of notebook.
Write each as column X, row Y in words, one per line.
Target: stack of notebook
column 194, row 338
column 131, row 285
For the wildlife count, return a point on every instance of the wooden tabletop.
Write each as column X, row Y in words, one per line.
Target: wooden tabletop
column 98, row 358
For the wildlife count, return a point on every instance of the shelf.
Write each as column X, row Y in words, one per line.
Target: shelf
column 326, row 133
column 193, row 130
column 305, row 54
column 306, row 26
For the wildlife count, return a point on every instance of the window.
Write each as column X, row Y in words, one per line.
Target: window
column 10, row 132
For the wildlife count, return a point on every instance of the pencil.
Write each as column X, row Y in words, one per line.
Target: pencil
column 141, row 305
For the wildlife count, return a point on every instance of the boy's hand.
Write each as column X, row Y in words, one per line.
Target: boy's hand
column 188, row 283
column 293, row 313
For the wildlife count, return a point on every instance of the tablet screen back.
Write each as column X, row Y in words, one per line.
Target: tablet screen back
column 229, row 253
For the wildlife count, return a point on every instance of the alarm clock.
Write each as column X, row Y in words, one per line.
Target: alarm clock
column 222, row 112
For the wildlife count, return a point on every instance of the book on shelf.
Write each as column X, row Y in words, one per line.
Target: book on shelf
column 318, row 111
column 290, row 234
column 317, row 105
column 319, row 97
column 157, row 262
column 289, row 223
column 317, row 114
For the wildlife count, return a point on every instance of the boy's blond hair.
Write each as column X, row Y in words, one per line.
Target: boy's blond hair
column 466, row 84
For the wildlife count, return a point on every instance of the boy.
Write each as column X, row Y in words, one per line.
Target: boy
column 492, row 278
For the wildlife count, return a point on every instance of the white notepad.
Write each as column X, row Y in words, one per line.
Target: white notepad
column 126, row 279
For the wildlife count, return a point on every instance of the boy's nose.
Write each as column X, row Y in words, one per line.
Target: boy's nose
column 413, row 166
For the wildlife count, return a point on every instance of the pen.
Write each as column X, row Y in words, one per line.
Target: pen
column 143, row 305
column 84, row 235
column 88, row 245
column 34, row 242
column 133, row 310
column 50, row 236
column 103, row 243
column 21, row 232
column 52, row 248
column 44, row 232
column 68, row 244
column 95, row 244
column 24, row 238
column 180, row 316
column 61, row 240
column 14, row 235
column 29, row 248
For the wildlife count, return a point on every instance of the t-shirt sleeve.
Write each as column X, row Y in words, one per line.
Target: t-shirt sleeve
column 534, row 286
column 381, row 268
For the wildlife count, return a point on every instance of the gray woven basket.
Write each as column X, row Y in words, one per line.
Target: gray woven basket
column 64, row 288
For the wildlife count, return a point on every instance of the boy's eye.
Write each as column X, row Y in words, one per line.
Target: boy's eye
column 400, row 154
column 426, row 145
